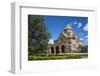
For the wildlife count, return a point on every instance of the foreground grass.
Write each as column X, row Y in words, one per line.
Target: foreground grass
column 58, row 56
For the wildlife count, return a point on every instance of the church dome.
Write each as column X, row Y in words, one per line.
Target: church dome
column 68, row 27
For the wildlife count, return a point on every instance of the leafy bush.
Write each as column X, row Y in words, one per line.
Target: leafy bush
column 59, row 56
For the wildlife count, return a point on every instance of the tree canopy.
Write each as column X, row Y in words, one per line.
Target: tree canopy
column 38, row 35
column 84, row 49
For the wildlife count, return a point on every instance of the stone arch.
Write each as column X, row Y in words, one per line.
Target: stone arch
column 57, row 49
column 52, row 50
column 63, row 49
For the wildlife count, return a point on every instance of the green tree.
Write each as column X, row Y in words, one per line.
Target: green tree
column 38, row 35
column 84, row 49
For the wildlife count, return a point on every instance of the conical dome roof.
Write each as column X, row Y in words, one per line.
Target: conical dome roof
column 68, row 27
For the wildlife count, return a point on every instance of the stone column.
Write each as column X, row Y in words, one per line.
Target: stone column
column 54, row 49
column 60, row 50
column 49, row 50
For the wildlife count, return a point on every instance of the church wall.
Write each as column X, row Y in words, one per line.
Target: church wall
column 66, row 43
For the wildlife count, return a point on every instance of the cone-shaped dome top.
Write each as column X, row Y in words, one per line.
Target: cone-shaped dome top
column 68, row 27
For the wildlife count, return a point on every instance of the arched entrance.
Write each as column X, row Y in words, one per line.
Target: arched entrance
column 52, row 50
column 63, row 49
column 57, row 49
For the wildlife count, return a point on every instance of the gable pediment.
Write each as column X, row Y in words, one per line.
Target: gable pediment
column 62, row 37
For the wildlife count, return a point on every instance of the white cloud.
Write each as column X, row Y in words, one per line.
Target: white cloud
column 84, row 39
column 81, row 39
column 51, row 41
column 85, row 27
column 75, row 22
column 79, row 25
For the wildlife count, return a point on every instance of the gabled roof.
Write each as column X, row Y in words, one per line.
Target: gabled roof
column 65, row 35
column 62, row 34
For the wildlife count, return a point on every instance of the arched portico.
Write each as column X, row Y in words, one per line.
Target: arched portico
column 52, row 50
column 57, row 49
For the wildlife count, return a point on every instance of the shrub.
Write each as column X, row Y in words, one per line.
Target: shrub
column 59, row 56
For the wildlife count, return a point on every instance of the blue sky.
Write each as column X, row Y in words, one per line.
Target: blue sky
column 56, row 24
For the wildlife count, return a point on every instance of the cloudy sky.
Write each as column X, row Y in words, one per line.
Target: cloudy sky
column 56, row 24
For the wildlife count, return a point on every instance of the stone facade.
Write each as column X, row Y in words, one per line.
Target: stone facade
column 67, row 42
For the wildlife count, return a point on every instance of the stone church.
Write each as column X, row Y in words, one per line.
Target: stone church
column 67, row 42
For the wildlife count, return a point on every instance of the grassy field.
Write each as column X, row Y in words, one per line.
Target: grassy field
column 59, row 56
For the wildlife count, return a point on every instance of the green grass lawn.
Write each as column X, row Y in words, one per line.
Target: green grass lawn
column 58, row 56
